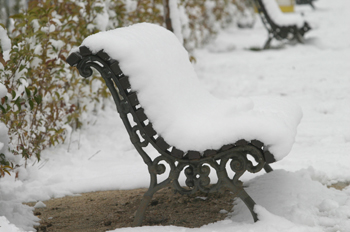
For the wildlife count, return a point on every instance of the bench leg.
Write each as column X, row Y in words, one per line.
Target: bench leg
column 248, row 201
column 140, row 213
column 299, row 38
column 267, row 168
column 267, row 43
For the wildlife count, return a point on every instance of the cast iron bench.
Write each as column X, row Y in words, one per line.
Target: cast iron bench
column 236, row 156
column 270, row 15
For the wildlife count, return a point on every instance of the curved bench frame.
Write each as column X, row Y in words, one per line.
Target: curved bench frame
column 192, row 164
column 279, row 32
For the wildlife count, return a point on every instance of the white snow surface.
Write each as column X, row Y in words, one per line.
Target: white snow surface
column 294, row 197
column 179, row 107
column 6, row 226
column 3, row 90
column 5, row 41
column 39, row 204
column 280, row 18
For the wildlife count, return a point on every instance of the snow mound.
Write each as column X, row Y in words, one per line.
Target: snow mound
column 297, row 198
column 39, row 204
column 18, row 214
column 181, row 110
column 6, row 226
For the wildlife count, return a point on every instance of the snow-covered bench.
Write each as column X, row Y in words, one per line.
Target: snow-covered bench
column 177, row 126
column 279, row 25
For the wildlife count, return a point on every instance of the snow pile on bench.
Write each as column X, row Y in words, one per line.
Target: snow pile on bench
column 185, row 114
column 281, row 19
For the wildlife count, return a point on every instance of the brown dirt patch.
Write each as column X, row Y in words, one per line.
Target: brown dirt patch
column 108, row 210
column 339, row 185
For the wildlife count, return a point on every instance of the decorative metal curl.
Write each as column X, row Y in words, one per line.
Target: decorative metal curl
column 157, row 168
column 259, row 158
column 238, row 164
column 197, row 176
column 189, row 176
column 87, row 63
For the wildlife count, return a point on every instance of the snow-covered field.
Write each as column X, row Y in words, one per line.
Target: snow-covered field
column 292, row 198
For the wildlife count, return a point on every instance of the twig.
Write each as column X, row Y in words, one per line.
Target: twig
column 43, row 164
column 94, row 154
column 79, row 139
column 70, row 140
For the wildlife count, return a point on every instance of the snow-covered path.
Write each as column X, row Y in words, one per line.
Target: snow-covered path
column 292, row 198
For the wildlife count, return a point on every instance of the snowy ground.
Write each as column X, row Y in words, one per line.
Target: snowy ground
column 292, row 198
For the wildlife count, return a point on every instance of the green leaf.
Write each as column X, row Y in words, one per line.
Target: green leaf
column 18, row 103
column 5, row 170
column 13, row 94
column 2, row 109
column 38, row 99
column 27, row 92
column 17, row 16
column 31, row 103
column 57, row 95
column 38, row 156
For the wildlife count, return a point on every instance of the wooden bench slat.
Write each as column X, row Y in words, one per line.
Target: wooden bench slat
column 124, row 81
column 241, row 142
column 269, row 158
column 133, row 99
column 162, row 144
column 149, row 130
column 226, row 147
column 209, row 153
column 84, row 51
column 74, row 58
column 177, row 153
column 116, row 69
column 104, row 56
column 141, row 114
column 257, row 143
column 193, row 155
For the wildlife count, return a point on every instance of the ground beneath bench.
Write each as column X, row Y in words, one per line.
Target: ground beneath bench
column 108, row 210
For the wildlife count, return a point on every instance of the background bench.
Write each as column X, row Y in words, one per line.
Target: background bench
column 281, row 26
column 130, row 52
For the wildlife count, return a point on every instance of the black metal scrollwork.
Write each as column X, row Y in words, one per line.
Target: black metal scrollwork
column 86, row 64
column 136, row 138
column 125, row 107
